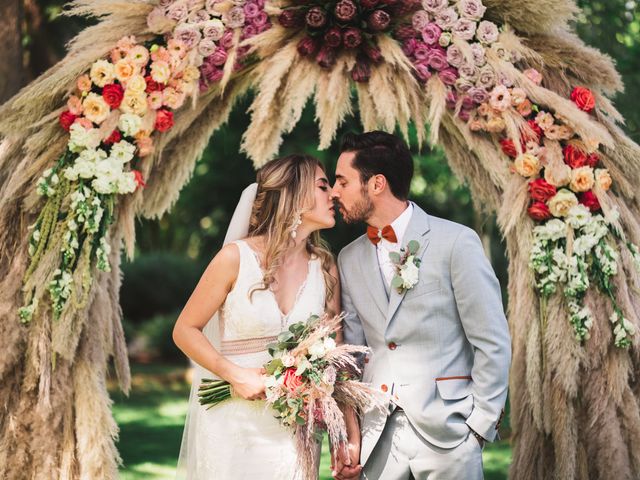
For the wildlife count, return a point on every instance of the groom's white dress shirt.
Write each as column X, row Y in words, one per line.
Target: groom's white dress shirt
column 385, row 247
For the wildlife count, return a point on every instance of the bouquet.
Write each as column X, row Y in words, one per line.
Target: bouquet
column 308, row 377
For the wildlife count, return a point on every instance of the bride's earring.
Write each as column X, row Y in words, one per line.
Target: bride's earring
column 296, row 224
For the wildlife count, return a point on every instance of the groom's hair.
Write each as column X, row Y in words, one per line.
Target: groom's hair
column 381, row 153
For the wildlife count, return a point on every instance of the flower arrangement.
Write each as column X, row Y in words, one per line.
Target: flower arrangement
column 111, row 116
column 308, row 376
column 211, row 32
column 406, row 266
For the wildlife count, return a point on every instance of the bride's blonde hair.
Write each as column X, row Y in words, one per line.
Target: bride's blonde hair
column 286, row 191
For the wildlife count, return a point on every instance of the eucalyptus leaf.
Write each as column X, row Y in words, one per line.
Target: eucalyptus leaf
column 396, row 282
column 394, row 257
column 413, row 247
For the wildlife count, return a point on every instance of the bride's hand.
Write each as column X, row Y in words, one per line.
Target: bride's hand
column 248, row 383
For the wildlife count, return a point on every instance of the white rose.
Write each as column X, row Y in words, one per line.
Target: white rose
column 409, row 273
column 129, row 124
column 126, row 183
column 288, row 360
column 317, row 349
column 329, row 344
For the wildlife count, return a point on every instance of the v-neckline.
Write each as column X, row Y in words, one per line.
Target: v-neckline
column 284, row 316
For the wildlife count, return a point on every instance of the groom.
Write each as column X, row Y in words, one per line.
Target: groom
column 440, row 345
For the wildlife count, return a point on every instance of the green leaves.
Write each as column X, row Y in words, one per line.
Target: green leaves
column 413, row 247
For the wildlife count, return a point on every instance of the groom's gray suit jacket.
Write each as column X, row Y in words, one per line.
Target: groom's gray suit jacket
column 442, row 349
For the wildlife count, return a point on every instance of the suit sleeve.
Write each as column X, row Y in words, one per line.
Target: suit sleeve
column 352, row 330
column 479, row 301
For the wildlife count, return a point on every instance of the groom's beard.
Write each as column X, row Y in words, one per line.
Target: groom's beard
column 361, row 210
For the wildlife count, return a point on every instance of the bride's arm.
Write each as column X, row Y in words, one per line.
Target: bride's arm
column 206, row 299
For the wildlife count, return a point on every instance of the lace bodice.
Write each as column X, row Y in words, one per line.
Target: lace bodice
column 242, row 317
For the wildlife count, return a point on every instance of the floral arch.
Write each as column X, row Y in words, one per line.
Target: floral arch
column 519, row 104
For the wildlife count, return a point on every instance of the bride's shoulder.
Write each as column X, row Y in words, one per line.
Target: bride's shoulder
column 228, row 257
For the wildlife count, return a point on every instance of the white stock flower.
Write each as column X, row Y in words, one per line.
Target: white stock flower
column 122, row 151
column 130, row 124
column 80, row 138
column 126, row 183
column 578, row 216
column 317, row 350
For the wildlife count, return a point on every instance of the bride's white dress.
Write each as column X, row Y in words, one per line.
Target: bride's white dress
column 240, row 439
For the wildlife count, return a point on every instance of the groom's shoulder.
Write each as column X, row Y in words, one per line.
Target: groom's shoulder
column 351, row 248
column 448, row 230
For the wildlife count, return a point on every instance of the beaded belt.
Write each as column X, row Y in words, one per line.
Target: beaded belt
column 247, row 345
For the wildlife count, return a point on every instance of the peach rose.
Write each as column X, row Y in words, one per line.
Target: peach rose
column 138, row 55
column 155, row 100
column 565, row 132
column 145, row 146
column 95, row 108
column 544, row 120
column 116, row 55
column 124, row 70
column 527, row 165
column 495, row 125
column 562, row 202
column 84, row 83
column 582, row 179
column 603, row 179
column 558, row 174
column 101, row 73
column 172, row 98
column 190, row 74
column 126, row 43
column 518, row 95
column 134, row 103
column 525, row 108
column 160, row 71
column 74, row 104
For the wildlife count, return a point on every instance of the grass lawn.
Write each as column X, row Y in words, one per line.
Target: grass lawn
column 151, row 422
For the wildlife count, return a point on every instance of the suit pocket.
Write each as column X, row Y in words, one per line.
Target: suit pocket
column 454, row 388
column 425, row 288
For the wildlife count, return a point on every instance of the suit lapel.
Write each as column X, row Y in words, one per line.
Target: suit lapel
column 372, row 276
column 418, row 230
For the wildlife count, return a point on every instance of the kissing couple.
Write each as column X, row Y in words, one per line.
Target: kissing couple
column 417, row 290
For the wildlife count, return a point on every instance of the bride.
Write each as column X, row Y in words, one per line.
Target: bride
column 274, row 270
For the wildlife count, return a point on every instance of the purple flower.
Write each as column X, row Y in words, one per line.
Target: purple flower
column 487, row 32
column 468, row 71
column 316, row 17
column 478, row 95
column 455, row 56
column 345, row 10
column 326, row 57
column 260, row 19
column 468, row 102
column 438, row 60
column 218, row 58
column 188, row 35
column 213, row 29
column 361, row 72
column 447, row 18
column 234, row 18
column 333, row 37
column 206, row 47
column 431, row 34
column 249, row 31
column 448, row 76
column 226, row 41
column 409, row 46
column 486, row 77
column 307, row 46
column 478, row 54
column 379, row 20
column 420, row 20
column 464, row 29
column 471, row 9
column 421, row 51
column 351, row 37
column 251, row 9
column 464, row 85
column 422, row 72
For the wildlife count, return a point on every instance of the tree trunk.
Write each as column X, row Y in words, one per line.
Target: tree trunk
column 12, row 75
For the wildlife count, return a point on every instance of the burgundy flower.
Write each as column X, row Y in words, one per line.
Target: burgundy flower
column 379, row 20
column 452, row 99
column 290, row 18
column 368, row 3
column 422, row 72
column 316, row 17
column 218, row 58
column 593, row 159
column 540, row 190
column 448, row 76
column 509, row 148
column 307, row 46
column 361, row 72
column 589, row 200
column 372, row 52
column 539, row 211
column 326, row 57
column 351, row 37
column 409, row 46
column 404, row 32
column 333, row 37
column 227, row 39
column 152, row 85
column 345, row 10
column 438, row 60
column 115, row 137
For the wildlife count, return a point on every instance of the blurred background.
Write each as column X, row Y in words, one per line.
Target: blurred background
column 173, row 251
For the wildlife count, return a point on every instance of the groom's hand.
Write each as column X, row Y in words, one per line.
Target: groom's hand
column 346, row 464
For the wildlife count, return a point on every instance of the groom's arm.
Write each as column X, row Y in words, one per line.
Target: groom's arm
column 352, row 330
column 479, row 302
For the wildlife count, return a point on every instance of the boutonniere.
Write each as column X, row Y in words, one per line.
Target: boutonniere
column 406, row 265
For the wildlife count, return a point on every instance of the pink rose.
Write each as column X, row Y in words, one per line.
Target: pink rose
column 218, row 58
column 422, row 72
column 251, row 10
column 455, row 56
column 471, row 9
column 446, row 18
column 487, row 32
column 292, row 381
column 420, row 20
column 260, row 20
column 431, row 34
column 464, row 29
column 438, row 60
column 448, row 76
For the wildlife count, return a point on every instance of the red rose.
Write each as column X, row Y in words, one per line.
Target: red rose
column 593, row 159
column 139, row 179
column 307, row 46
column 540, row 190
column 152, row 85
column 539, row 211
column 536, row 128
column 291, row 380
column 509, row 148
column 583, row 98
column 115, row 137
column 164, row 120
column 66, row 119
column 574, row 157
column 113, row 94
column 589, row 200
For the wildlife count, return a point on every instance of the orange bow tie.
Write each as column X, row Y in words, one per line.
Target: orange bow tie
column 387, row 233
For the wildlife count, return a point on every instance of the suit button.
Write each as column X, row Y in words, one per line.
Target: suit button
column 392, row 346
column 366, row 359
column 384, row 388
